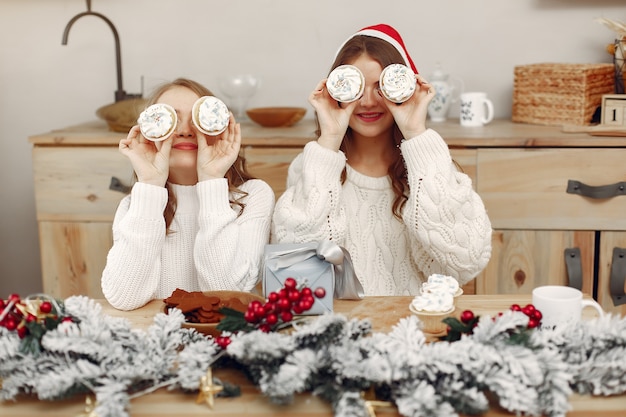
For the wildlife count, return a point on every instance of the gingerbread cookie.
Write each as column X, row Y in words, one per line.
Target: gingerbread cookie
column 198, row 307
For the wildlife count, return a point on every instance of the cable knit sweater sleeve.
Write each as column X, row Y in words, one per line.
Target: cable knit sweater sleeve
column 448, row 223
column 309, row 209
column 228, row 249
column 132, row 273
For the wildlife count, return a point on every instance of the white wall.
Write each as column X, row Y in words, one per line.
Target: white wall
column 288, row 43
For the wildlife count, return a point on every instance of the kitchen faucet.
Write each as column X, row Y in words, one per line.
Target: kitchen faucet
column 120, row 94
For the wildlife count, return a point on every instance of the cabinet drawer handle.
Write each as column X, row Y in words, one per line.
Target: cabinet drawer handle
column 601, row 191
column 117, row 185
column 574, row 268
column 618, row 276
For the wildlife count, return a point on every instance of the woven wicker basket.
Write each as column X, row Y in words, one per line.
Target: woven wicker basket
column 560, row 94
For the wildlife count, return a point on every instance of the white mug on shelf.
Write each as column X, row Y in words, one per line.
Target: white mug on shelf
column 560, row 305
column 476, row 109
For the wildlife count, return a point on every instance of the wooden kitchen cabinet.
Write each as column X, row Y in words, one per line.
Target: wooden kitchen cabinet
column 542, row 233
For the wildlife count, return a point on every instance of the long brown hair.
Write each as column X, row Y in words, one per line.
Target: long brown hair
column 236, row 175
column 385, row 54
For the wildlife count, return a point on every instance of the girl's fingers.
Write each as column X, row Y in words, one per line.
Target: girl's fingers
column 165, row 146
column 126, row 142
column 424, row 84
column 319, row 90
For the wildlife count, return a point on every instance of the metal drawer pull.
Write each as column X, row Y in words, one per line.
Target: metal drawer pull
column 618, row 276
column 574, row 268
column 117, row 185
column 601, row 191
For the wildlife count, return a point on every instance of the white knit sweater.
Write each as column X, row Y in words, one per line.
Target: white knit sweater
column 444, row 229
column 209, row 248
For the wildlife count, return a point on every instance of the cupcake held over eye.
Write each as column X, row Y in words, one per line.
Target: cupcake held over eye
column 210, row 115
column 345, row 83
column 157, row 122
column 397, row 83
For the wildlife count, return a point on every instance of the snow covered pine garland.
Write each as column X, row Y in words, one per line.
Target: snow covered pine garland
column 73, row 348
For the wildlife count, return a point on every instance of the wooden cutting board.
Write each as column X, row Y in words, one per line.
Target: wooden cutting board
column 595, row 130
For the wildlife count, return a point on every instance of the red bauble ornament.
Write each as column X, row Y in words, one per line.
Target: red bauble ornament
column 11, row 324
column 467, row 316
column 320, row 292
column 271, row 319
column 528, row 309
column 45, row 307
column 532, row 323
column 222, row 341
column 250, row 317
column 259, row 311
column 537, row 315
column 15, row 298
column 286, row 316
column 283, row 304
column 293, row 295
column 22, row 332
column 290, row 283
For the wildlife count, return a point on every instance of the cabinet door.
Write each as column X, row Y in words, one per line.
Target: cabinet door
column 609, row 241
column 271, row 164
column 72, row 183
column 73, row 256
column 527, row 188
column 524, row 259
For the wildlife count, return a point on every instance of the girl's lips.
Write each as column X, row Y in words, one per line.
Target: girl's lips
column 369, row 117
column 186, row 146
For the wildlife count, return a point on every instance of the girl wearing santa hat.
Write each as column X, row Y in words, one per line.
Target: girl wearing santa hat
column 381, row 184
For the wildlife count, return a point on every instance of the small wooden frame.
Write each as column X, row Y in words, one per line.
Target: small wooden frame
column 614, row 110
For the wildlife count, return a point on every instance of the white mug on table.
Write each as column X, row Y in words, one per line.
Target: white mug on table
column 476, row 109
column 560, row 305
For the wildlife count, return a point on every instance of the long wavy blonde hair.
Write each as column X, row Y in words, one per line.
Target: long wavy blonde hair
column 236, row 175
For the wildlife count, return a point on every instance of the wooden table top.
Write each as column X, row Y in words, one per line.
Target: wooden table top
column 384, row 312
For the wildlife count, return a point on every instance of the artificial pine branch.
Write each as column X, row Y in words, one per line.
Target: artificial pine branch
column 527, row 371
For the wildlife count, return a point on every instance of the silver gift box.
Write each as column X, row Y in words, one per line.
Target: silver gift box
column 300, row 262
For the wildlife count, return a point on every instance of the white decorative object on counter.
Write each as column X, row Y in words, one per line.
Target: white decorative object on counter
column 476, row 109
column 448, row 90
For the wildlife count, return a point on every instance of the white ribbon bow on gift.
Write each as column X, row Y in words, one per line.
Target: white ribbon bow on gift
column 347, row 285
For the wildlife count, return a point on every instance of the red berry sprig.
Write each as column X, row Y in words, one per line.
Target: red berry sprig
column 534, row 315
column 467, row 321
column 276, row 312
column 281, row 306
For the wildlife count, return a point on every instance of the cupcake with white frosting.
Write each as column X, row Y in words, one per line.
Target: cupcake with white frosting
column 210, row 115
column 345, row 83
column 445, row 283
column 397, row 83
column 432, row 308
column 157, row 122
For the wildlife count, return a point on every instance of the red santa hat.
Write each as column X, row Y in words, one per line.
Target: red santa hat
column 389, row 34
